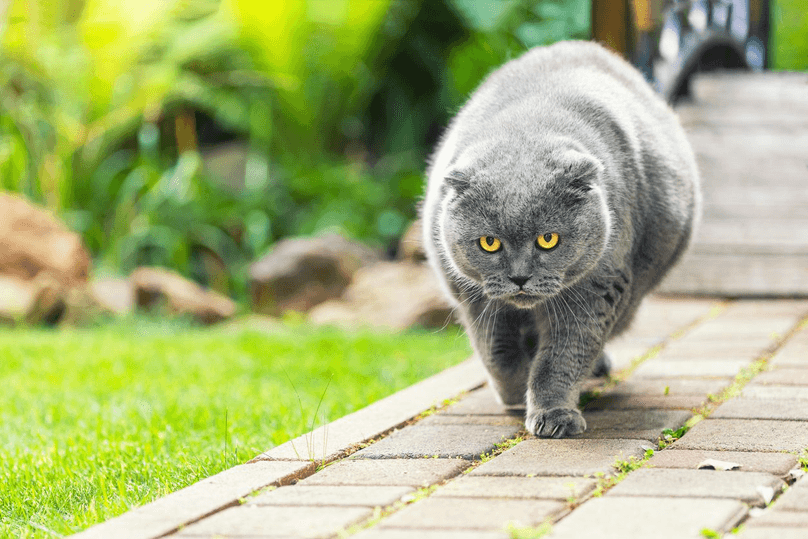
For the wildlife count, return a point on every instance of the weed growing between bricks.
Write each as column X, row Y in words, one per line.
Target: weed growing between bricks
column 623, row 374
column 528, row 532
column 747, row 374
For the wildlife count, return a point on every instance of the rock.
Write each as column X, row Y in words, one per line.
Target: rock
column 411, row 244
column 31, row 301
column 162, row 288
column 396, row 295
column 300, row 273
column 116, row 295
column 33, row 241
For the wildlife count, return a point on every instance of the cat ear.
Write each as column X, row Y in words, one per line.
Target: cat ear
column 579, row 172
column 457, row 180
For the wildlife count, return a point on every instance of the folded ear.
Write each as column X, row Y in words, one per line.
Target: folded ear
column 457, row 180
column 579, row 172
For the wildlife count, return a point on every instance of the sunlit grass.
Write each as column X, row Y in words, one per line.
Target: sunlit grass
column 96, row 421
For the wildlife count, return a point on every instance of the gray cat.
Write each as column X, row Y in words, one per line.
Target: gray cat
column 560, row 195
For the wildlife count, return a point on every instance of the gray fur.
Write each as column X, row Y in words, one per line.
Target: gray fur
column 567, row 139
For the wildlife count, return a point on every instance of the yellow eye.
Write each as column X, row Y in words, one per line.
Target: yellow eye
column 548, row 241
column 490, row 244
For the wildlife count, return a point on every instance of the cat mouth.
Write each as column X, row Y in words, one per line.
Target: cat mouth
column 524, row 300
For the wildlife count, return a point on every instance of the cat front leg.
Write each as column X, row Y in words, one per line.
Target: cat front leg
column 571, row 343
column 505, row 340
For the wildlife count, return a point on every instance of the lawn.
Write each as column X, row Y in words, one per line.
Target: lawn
column 99, row 420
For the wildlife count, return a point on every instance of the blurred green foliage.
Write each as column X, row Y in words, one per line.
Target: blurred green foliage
column 789, row 41
column 195, row 133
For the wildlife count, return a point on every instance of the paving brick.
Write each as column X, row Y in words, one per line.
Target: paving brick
column 774, row 518
column 566, row 457
column 697, row 484
column 719, row 350
column 391, row 472
column 272, row 521
column 500, row 420
column 659, row 314
column 480, row 402
column 548, row 488
column 777, row 464
column 377, row 533
column 673, row 387
column 766, row 308
column 783, row 376
column 614, row 517
column 197, row 500
column 632, row 424
column 744, row 435
column 795, row 352
column 795, row 393
column 368, row 496
column 473, row 513
column 770, row 533
column 752, row 330
column 622, row 401
column 445, row 441
column 690, row 368
column 623, row 353
column 743, row 408
column 794, row 499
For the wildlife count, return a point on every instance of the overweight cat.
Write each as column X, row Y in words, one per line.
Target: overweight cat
column 561, row 194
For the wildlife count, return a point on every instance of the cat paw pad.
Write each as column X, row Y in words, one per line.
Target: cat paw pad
column 555, row 422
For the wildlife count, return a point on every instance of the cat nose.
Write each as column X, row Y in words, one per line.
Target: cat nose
column 519, row 280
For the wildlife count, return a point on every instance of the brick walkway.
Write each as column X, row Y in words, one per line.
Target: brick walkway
column 735, row 372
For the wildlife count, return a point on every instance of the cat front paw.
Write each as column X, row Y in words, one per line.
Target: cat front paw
column 555, row 422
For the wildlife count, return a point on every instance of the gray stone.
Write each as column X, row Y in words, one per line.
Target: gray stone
column 392, row 472
column 777, row 464
column 743, row 408
column 622, row 401
column 444, row 441
column 794, row 499
column 783, row 376
column 473, row 513
column 274, row 521
column 517, row 421
column 377, row 533
column 795, row 393
column 547, row 488
column 614, row 517
column 193, row 502
column 678, row 483
column 745, row 435
column 566, row 457
column 369, row 496
column 633, row 424
column 690, row 368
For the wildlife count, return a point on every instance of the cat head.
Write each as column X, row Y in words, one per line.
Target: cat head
column 524, row 229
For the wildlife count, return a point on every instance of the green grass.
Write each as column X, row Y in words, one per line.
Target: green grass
column 96, row 421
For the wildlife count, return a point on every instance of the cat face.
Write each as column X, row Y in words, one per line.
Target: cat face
column 524, row 238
